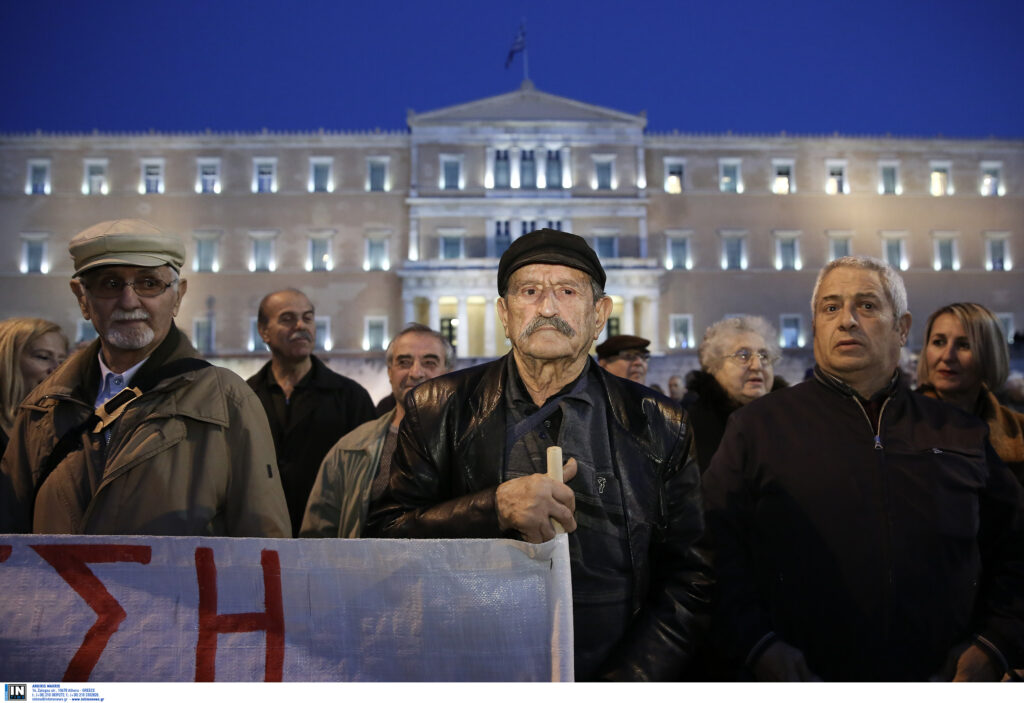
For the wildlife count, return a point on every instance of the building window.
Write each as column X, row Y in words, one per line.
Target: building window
column 321, row 174
column 85, row 332
column 208, row 175
column 256, row 342
column 377, row 258
column 941, row 181
column 202, row 334
column 1006, row 322
column 997, row 251
column 207, row 258
column 502, row 237
column 94, row 177
column 264, row 175
column 527, row 170
column 992, row 179
column 37, row 180
column 152, row 176
column 553, row 169
column 613, row 326
column 946, row 255
column 451, row 245
column 835, row 177
column 839, row 245
column 889, row 178
column 677, row 250
column 894, row 250
column 527, row 226
column 375, row 333
column 319, row 258
column 730, row 175
column 377, row 176
column 681, row 334
column 606, row 246
column 787, row 251
column 451, row 173
column 782, row 176
column 674, row 172
column 790, row 335
column 33, row 253
column 502, row 169
column 604, row 173
column 262, row 258
column 734, row 251
column 323, row 333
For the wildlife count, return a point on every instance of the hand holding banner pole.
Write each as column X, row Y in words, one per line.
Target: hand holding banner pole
column 555, row 472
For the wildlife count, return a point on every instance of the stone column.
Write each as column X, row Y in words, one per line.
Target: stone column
column 653, row 324
column 434, row 314
column 409, row 305
column 462, row 334
column 514, row 166
column 642, row 237
column 414, row 239
column 566, row 168
column 628, row 323
column 489, row 169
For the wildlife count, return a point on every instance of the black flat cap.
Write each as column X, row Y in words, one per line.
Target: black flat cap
column 549, row 246
column 620, row 343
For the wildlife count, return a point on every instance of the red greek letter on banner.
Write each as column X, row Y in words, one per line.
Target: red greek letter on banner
column 211, row 624
column 70, row 561
column 5, row 551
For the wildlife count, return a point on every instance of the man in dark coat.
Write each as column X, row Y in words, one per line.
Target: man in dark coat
column 309, row 406
column 471, row 463
column 862, row 531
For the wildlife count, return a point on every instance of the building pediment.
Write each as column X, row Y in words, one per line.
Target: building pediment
column 524, row 105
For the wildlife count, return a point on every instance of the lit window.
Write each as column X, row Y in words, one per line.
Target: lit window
column 613, row 327
column 790, row 335
column 839, row 245
column 889, row 178
column 376, row 255
column 940, row 182
column 321, row 176
column 992, row 179
column 997, row 251
column 553, row 169
column 94, row 177
column 377, row 174
column 262, row 258
column 527, row 170
column 323, row 333
column 264, row 175
column 787, row 251
column 835, row 181
column 681, row 335
column 677, row 250
column 375, row 333
column 33, row 253
column 734, row 251
column 604, row 173
column 782, row 176
column 730, row 176
column 502, row 169
column 894, row 250
column 202, row 334
column 152, row 176
column 208, row 175
column 207, row 258
column 946, row 256
column 319, row 258
column 37, row 180
column 451, row 173
column 674, row 172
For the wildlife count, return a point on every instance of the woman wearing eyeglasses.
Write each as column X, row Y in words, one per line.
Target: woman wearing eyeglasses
column 736, row 358
column 30, row 349
column 964, row 360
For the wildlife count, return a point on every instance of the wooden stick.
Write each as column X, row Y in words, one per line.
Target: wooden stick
column 555, row 472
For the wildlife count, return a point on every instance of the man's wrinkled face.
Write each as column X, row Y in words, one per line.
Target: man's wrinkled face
column 290, row 327
column 549, row 312
column 129, row 321
column 628, row 363
column 855, row 329
column 415, row 357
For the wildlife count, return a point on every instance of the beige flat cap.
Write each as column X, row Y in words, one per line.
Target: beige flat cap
column 130, row 242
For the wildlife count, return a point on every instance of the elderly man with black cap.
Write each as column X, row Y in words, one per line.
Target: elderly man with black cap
column 625, row 355
column 135, row 434
column 471, row 463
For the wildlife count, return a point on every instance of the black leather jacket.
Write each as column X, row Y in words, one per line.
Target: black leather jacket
column 448, row 465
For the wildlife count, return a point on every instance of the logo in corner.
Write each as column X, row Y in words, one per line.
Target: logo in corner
column 15, row 692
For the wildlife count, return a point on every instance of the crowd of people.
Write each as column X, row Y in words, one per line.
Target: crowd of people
column 849, row 527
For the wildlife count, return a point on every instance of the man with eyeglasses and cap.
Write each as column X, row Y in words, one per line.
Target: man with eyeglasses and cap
column 626, row 356
column 135, row 434
column 471, row 462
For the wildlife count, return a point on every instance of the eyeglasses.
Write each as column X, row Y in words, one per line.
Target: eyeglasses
column 632, row 356
column 113, row 287
column 743, row 357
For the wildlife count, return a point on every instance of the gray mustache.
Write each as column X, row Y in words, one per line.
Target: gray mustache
column 558, row 323
column 120, row 315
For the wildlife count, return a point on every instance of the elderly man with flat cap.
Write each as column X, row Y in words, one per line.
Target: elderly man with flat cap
column 471, row 463
column 135, row 434
column 625, row 356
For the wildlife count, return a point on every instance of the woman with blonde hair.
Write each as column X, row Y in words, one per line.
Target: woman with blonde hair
column 964, row 360
column 30, row 349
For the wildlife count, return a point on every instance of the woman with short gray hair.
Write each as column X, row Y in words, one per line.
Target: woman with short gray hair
column 737, row 357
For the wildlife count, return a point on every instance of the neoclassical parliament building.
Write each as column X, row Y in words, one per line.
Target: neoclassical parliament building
column 382, row 228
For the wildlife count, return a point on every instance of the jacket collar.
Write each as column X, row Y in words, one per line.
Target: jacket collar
column 835, row 384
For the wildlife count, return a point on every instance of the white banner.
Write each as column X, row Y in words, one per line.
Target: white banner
column 203, row 609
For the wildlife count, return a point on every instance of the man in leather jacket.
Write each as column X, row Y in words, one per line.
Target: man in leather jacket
column 471, row 463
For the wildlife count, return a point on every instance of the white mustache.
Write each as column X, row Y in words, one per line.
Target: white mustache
column 119, row 315
column 301, row 335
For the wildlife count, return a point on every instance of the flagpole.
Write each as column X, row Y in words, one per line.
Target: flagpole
column 526, row 62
